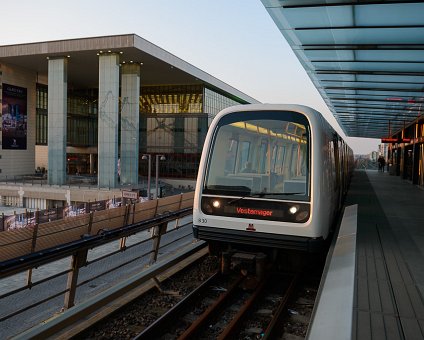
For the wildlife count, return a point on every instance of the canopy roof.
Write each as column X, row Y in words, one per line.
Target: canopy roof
column 159, row 67
column 366, row 58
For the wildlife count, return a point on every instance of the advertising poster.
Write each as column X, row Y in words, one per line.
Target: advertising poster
column 14, row 117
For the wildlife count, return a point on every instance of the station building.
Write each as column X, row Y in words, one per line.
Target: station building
column 95, row 106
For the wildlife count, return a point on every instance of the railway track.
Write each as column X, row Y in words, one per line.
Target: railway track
column 201, row 303
column 227, row 307
column 162, row 293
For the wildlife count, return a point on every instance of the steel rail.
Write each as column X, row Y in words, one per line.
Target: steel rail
column 155, row 330
column 270, row 332
column 211, row 311
column 231, row 328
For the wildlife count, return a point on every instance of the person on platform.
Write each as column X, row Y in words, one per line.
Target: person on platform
column 381, row 163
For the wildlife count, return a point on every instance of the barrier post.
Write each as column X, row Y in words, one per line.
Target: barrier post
column 133, row 213
column 158, row 231
column 33, row 243
column 90, row 223
column 122, row 242
column 177, row 221
column 79, row 260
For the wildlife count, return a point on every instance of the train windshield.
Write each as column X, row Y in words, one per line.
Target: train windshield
column 265, row 155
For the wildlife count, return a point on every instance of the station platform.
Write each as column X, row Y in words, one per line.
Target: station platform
column 389, row 278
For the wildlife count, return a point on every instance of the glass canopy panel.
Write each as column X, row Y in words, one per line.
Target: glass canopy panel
column 390, row 55
column 383, row 14
column 274, row 3
column 369, row 66
column 390, row 94
column 370, row 85
column 375, row 96
column 399, row 14
column 341, row 77
column 307, row 2
column 318, row 17
column 330, row 54
column 393, row 78
column 375, row 36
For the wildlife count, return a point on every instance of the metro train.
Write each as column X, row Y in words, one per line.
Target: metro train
column 270, row 177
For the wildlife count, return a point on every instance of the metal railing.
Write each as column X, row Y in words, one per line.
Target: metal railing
column 166, row 230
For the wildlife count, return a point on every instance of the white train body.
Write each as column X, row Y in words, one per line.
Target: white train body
column 292, row 188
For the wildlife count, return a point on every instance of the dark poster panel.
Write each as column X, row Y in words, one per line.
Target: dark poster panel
column 48, row 215
column 96, row 206
column 14, row 117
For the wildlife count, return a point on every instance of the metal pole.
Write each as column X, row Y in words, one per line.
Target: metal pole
column 149, row 175
column 157, row 175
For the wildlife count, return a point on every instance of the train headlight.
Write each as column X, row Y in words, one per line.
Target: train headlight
column 302, row 216
column 294, row 209
column 216, row 204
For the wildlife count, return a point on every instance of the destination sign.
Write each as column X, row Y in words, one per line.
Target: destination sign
column 253, row 212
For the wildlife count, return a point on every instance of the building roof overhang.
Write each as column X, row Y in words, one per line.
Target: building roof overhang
column 159, row 67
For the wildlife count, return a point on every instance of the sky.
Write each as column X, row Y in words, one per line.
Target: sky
column 235, row 41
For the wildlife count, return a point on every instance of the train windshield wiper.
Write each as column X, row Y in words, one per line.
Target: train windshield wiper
column 263, row 194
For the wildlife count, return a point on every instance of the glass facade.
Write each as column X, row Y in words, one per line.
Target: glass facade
column 41, row 115
column 174, row 120
column 82, row 117
column 215, row 102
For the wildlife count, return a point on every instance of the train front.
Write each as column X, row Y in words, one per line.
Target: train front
column 254, row 184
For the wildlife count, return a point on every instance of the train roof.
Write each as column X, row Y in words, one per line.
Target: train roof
column 313, row 115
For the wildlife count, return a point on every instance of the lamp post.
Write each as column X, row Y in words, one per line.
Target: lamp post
column 162, row 158
column 149, row 158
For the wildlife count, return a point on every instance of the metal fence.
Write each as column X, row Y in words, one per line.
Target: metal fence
column 125, row 243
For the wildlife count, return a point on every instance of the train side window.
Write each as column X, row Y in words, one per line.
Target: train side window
column 274, row 158
column 230, row 159
column 281, row 157
column 244, row 153
column 294, row 161
column 263, row 153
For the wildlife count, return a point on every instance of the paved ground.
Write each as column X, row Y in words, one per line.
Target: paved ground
column 389, row 299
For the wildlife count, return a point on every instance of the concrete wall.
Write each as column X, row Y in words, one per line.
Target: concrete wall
column 20, row 162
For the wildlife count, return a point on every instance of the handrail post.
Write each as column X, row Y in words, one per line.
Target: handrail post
column 133, row 213
column 90, row 223
column 177, row 220
column 122, row 242
column 79, row 259
column 158, row 231
column 33, row 244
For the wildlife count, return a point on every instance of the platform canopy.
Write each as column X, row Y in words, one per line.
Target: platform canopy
column 366, row 58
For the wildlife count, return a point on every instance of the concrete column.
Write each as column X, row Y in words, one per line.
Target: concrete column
column 108, row 120
column 57, row 118
column 130, row 116
column 21, row 193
